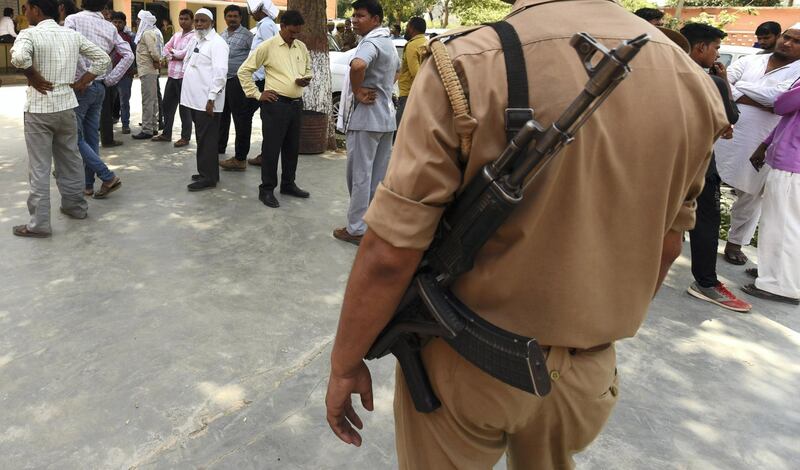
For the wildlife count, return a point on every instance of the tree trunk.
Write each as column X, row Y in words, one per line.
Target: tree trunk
column 446, row 10
column 317, row 96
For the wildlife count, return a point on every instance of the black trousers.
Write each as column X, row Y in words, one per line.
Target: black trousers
column 107, row 115
column 206, row 129
column 172, row 102
column 280, row 124
column 242, row 109
column 704, row 239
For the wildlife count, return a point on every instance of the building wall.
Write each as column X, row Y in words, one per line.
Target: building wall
column 742, row 31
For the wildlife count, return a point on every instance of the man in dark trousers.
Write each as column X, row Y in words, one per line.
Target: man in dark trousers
column 203, row 92
column 288, row 70
column 704, row 41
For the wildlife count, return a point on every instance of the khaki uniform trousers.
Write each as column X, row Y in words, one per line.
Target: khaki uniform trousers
column 481, row 418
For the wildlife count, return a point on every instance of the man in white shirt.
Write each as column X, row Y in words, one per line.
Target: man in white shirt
column 756, row 81
column 48, row 55
column 203, row 93
column 7, row 33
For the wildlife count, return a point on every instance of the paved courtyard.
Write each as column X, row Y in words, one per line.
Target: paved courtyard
column 193, row 330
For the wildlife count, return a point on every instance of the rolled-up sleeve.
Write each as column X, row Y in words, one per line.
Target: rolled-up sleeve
column 424, row 173
column 125, row 52
column 22, row 52
column 99, row 60
column 685, row 220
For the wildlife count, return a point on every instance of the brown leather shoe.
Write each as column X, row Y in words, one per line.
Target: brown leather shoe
column 343, row 235
column 255, row 161
column 161, row 138
column 22, row 231
column 181, row 143
column 232, row 164
column 108, row 188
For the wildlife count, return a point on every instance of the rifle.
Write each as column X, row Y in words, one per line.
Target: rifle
column 428, row 309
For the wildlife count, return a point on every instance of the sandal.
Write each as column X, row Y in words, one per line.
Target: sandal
column 762, row 294
column 736, row 257
column 22, row 231
column 752, row 272
column 107, row 189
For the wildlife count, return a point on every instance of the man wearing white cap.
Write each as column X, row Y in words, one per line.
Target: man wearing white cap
column 756, row 81
column 265, row 12
column 203, row 93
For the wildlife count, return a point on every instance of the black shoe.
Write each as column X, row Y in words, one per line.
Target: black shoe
column 200, row 185
column 113, row 143
column 142, row 136
column 196, row 177
column 293, row 190
column 268, row 198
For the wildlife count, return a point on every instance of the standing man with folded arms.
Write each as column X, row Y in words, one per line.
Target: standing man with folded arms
column 48, row 56
column 203, row 93
column 287, row 65
column 94, row 27
column 175, row 51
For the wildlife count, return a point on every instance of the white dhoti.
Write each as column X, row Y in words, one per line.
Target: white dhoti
column 779, row 238
column 733, row 165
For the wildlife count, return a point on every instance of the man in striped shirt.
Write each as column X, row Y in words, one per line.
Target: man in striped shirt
column 48, row 54
column 91, row 24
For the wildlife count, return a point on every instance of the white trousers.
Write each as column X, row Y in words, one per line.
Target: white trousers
column 779, row 238
column 745, row 212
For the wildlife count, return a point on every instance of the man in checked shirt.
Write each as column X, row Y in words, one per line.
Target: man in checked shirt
column 91, row 24
column 48, row 55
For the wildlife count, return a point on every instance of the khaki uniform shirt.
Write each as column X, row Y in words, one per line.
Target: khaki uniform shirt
column 148, row 52
column 283, row 65
column 577, row 263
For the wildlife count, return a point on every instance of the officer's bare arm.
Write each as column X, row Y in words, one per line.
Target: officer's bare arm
column 670, row 251
column 380, row 275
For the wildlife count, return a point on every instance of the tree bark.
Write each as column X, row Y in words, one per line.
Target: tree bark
column 317, row 96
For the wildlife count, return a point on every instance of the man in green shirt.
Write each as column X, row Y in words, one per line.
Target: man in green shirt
column 412, row 58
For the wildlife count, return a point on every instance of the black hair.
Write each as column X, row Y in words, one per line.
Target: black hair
column 118, row 15
column 8, row 12
column 49, row 7
column 372, row 6
column 649, row 14
column 292, row 18
column 770, row 27
column 186, row 11
column 231, row 8
column 418, row 24
column 69, row 7
column 702, row 33
column 94, row 5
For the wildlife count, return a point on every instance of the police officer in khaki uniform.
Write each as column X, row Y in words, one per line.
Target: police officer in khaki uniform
column 575, row 266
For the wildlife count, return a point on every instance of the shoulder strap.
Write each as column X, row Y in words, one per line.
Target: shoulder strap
column 464, row 123
column 518, row 111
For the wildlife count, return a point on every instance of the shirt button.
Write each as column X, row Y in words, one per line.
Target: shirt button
column 555, row 375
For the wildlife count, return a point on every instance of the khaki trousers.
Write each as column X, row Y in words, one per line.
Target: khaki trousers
column 52, row 139
column 481, row 418
column 149, row 84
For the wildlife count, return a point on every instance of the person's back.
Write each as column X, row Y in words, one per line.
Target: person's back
column 148, row 52
column 594, row 221
column 379, row 76
column 95, row 28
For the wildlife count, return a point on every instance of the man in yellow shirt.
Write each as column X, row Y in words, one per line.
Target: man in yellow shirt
column 412, row 58
column 287, row 65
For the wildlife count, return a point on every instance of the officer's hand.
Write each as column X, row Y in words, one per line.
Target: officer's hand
column 268, row 96
column 210, row 108
column 727, row 134
column 341, row 415
column 366, row 95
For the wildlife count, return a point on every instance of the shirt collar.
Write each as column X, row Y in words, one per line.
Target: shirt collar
column 47, row 23
column 281, row 42
column 418, row 36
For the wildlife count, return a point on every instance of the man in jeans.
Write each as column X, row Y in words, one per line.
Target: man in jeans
column 175, row 50
column 119, row 20
column 237, row 104
column 148, row 59
column 48, row 55
column 91, row 24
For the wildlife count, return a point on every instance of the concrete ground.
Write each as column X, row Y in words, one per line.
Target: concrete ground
column 192, row 330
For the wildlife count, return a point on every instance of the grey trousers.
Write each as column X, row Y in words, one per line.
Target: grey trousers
column 149, row 103
column 368, row 156
column 52, row 138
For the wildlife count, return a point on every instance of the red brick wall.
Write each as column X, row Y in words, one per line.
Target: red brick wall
column 742, row 31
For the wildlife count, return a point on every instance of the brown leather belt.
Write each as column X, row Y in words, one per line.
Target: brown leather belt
column 574, row 351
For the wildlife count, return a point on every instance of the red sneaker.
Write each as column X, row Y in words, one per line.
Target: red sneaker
column 719, row 295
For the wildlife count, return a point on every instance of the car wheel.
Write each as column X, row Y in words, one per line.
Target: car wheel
column 335, row 110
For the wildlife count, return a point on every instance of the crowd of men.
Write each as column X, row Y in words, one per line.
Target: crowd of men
column 80, row 77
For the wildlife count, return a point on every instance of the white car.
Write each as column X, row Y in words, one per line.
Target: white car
column 730, row 54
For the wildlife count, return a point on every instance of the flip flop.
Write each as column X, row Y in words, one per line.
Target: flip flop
column 22, row 231
column 751, row 289
column 736, row 257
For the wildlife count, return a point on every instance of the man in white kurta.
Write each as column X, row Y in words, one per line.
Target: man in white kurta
column 756, row 81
